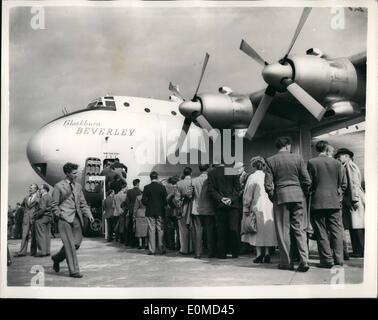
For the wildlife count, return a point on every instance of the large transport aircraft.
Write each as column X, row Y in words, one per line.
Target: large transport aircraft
column 307, row 96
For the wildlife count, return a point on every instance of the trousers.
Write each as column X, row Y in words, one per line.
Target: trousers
column 71, row 235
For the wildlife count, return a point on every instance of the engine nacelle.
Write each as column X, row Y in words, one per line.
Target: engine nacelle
column 342, row 109
column 226, row 111
column 325, row 77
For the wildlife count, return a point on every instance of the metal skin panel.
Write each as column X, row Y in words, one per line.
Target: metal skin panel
column 335, row 79
column 226, row 111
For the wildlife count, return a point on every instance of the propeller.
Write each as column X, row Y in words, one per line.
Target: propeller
column 175, row 89
column 280, row 76
column 191, row 109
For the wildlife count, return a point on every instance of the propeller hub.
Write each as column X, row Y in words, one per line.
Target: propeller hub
column 189, row 108
column 274, row 73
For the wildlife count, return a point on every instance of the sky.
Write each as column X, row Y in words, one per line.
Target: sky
column 87, row 52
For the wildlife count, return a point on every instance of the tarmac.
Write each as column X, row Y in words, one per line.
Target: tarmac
column 109, row 264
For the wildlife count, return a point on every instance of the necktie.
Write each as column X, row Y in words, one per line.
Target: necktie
column 73, row 193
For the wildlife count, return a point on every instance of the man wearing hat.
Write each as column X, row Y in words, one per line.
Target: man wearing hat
column 353, row 204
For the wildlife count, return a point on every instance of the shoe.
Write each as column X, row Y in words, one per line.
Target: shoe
column 222, row 257
column 235, row 256
column 303, row 267
column 163, row 252
column 325, row 265
column 356, row 255
column 258, row 259
column 18, row 255
column 340, row 264
column 289, row 267
column 56, row 266
column 346, row 255
column 9, row 262
column 267, row 258
column 76, row 275
column 139, row 247
column 151, row 253
column 197, row 257
column 210, row 256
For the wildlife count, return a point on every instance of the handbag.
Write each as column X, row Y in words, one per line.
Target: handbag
column 249, row 224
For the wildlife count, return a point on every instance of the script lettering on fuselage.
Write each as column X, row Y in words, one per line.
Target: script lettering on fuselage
column 84, row 127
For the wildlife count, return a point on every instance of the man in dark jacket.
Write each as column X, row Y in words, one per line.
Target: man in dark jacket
column 155, row 200
column 287, row 182
column 328, row 183
column 224, row 189
column 131, row 196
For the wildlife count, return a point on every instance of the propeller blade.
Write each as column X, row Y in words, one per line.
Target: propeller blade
column 184, row 132
column 207, row 56
column 260, row 112
column 302, row 20
column 249, row 51
column 175, row 90
column 313, row 106
column 204, row 124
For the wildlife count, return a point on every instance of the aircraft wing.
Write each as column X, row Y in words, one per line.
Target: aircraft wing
column 286, row 114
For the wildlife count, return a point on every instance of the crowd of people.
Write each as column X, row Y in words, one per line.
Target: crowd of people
column 280, row 203
column 277, row 202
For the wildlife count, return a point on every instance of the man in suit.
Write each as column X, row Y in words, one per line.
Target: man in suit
column 203, row 214
column 287, row 182
column 185, row 189
column 108, row 207
column 69, row 205
column 328, row 183
column 224, row 189
column 31, row 206
column 43, row 221
column 131, row 197
column 155, row 200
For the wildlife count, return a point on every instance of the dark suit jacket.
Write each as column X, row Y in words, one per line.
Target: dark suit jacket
column 286, row 178
column 131, row 197
column 155, row 199
column 328, row 182
column 221, row 185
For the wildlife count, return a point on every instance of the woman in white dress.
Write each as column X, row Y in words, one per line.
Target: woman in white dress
column 256, row 201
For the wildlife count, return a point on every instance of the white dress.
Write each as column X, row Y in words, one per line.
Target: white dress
column 255, row 198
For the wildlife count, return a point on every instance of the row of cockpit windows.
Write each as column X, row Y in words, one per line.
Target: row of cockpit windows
column 109, row 103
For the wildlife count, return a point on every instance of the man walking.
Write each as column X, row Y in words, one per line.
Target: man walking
column 328, row 183
column 69, row 205
column 155, row 199
column 287, row 182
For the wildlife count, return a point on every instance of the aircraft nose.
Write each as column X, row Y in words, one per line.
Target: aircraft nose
column 188, row 108
column 274, row 73
column 34, row 152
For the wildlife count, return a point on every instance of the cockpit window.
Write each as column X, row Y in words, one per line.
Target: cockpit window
column 110, row 104
column 103, row 103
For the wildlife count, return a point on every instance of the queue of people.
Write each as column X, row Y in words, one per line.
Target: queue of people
column 270, row 206
column 214, row 213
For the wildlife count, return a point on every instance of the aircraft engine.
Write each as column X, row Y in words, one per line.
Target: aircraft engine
column 226, row 111
column 325, row 78
column 342, row 108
